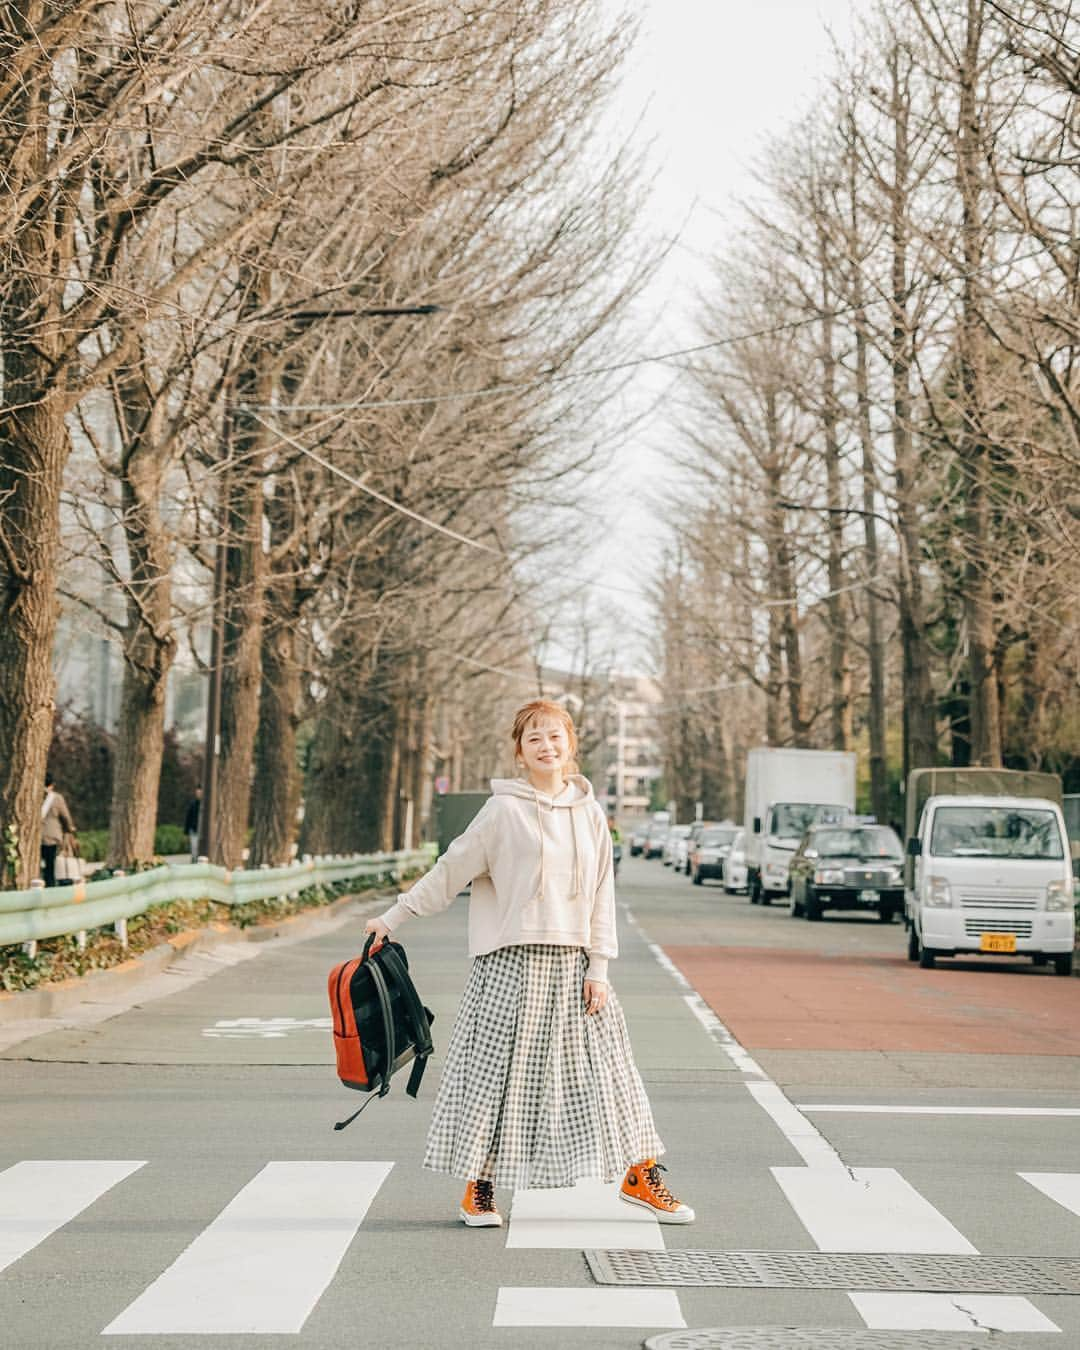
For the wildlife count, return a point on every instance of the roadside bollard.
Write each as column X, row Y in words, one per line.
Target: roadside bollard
column 121, row 924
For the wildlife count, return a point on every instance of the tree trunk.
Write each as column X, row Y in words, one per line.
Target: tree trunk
column 783, row 582
column 840, row 709
column 972, row 449
column 920, row 723
column 149, row 640
column 390, row 785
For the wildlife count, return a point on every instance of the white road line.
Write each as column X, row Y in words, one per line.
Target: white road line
column 808, row 1142
column 589, row 1214
column 1064, row 1187
column 950, row 1312
column 867, row 1209
column 544, row 1307
column 264, row 1262
column 37, row 1198
column 945, row 1110
column 714, row 1028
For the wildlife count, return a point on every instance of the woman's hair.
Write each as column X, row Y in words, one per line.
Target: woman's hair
column 542, row 709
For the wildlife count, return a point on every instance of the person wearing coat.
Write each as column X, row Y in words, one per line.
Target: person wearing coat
column 56, row 822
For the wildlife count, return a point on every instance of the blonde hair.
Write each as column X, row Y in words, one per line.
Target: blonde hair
column 544, row 708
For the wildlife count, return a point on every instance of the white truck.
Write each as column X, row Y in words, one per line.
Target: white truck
column 988, row 867
column 787, row 791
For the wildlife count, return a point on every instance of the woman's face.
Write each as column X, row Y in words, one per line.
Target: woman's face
column 545, row 747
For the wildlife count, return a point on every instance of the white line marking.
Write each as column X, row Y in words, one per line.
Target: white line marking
column 950, row 1312
column 946, row 1110
column 714, row 1028
column 542, row 1307
column 868, row 1209
column 37, row 1198
column 589, row 1214
column 264, row 1262
column 812, row 1147
column 1064, row 1187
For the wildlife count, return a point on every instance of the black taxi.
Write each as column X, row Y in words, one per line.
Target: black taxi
column 850, row 866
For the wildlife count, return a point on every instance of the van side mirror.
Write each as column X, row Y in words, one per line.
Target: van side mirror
column 914, row 846
column 757, row 824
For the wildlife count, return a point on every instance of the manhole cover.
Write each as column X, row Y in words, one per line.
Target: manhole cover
column 839, row 1270
column 819, row 1338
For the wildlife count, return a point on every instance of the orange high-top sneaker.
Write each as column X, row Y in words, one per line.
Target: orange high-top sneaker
column 478, row 1208
column 643, row 1186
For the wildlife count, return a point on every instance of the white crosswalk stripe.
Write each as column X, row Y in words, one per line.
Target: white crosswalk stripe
column 264, row 1262
column 37, row 1198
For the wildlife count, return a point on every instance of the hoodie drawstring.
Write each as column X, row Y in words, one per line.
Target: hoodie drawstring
column 579, row 884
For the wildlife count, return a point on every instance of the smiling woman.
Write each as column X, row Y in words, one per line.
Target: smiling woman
column 540, row 1088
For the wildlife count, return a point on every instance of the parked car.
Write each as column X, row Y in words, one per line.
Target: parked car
column 675, row 836
column 848, row 867
column 695, row 835
column 710, row 853
column 637, row 842
column 735, row 870
column 654, row 840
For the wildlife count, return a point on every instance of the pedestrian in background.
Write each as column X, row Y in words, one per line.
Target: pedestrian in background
column 56, row 823
column 539, row 1088
column 191, row 823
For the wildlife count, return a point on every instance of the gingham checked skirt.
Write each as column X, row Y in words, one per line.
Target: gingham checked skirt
column 535, row 1092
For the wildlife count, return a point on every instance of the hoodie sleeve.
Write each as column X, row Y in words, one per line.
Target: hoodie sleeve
column 603, row 944
column 466, row 858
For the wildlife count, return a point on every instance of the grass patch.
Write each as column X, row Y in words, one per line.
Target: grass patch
column 59, row 958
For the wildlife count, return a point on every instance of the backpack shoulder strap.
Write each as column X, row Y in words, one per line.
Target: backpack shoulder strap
column 418, row 1016
column 383, row 994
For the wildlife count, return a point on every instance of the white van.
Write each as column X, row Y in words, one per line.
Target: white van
column 988, row 871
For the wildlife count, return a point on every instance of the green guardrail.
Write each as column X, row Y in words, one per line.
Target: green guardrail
column 26, row 916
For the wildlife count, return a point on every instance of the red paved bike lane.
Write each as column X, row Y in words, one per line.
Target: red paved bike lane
column 775, row 999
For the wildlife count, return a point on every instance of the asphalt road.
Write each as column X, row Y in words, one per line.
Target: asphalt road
column 173, row 1179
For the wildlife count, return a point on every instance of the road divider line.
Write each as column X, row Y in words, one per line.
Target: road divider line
column 589, row 1214
column 265, row 1261
column 1064, row 1187
column 544, row 1307
column 38, row 1197
column 714, row 1028
column 878, row 1110
column 811, row 1145
column 868, row 1209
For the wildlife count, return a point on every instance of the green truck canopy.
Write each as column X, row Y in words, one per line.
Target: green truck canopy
column 925, row 783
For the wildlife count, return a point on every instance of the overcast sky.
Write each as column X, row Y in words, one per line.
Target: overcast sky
column 709, row 79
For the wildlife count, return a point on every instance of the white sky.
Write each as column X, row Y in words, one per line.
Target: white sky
column 709, row 79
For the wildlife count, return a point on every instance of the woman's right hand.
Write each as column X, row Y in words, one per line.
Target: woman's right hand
column 380, row 930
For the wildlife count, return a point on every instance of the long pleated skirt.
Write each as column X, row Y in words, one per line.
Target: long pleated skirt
column 535, row 1092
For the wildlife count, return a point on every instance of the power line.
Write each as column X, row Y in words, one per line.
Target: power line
column 632, row 363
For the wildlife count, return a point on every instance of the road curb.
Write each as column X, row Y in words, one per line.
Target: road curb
column 97, row 985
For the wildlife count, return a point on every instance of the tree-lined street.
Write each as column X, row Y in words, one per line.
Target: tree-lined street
column 231, row 1199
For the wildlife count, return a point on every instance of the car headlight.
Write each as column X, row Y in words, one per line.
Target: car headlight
column 829, row 876
column 1059, row 895
column 895, row 876
column 938, row 895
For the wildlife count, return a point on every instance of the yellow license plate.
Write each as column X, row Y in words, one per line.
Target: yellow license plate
column 997, row 942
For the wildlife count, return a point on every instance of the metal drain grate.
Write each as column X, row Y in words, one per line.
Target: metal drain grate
column 823, row 1338
column 839, row 1270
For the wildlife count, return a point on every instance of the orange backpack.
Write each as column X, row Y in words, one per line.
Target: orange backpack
column 380, row 1025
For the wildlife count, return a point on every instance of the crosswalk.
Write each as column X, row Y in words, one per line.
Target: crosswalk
column 262, row 1264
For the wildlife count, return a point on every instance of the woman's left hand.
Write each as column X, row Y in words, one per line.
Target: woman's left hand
column 596, row 993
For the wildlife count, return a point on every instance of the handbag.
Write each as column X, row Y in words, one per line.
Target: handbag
column 379, row 1023
column 68, row 867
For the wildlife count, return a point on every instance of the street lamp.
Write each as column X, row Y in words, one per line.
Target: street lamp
column 208, row 808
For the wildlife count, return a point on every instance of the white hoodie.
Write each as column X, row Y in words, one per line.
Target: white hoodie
column 541, row 871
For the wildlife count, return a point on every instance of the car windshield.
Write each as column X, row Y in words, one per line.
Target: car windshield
column 996, row 832
column 716, row 838
column 864, row 842
column 791, row 820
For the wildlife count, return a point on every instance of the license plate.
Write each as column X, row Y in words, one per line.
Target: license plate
column 997, row 942
column 868, row 897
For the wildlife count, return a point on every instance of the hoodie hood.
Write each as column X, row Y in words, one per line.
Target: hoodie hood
column 581, row 795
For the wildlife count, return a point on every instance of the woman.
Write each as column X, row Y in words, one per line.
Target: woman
column 56, row 823
column 539, row 1087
